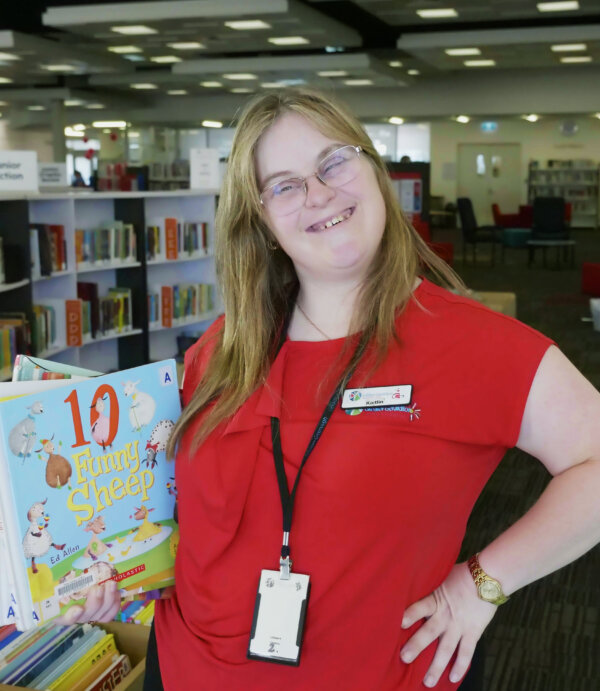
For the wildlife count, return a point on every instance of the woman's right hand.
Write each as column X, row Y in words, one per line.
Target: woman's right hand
column 102, row 604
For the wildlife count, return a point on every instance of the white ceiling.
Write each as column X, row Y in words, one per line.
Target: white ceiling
column 356, row 38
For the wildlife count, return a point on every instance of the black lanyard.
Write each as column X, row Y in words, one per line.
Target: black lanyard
column 287, row 497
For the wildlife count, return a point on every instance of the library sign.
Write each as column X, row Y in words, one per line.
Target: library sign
column 18, row 171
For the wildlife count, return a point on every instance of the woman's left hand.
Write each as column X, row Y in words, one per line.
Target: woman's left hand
column 456, row 616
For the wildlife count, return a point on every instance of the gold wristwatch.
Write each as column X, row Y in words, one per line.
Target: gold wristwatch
column 488, row 588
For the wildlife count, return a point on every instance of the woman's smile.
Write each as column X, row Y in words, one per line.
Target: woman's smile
column 331, row 221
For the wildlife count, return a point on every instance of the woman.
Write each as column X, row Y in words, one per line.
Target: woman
column 320, row 274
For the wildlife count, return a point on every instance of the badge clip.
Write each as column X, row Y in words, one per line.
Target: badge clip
column 285, row 567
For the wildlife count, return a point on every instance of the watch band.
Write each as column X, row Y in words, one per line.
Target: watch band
column 488, row 589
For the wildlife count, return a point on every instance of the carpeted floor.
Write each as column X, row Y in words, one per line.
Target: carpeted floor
column 547, row 638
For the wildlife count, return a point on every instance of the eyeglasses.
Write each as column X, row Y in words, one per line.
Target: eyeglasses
column 337, row 169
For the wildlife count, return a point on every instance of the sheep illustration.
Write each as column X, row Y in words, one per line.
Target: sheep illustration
column 37, row 540
column 143, row 406
column 95, row 546
column 158, row 441
column 101, row 423
column 21, row 438
column 58, row 469
column 147, row 529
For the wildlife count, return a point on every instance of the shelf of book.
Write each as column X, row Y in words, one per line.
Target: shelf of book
column 5, row 287
column 188, row 321
column 51, row 273
column 576, row 181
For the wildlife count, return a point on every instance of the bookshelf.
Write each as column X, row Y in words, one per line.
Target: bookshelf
column 577, row 181
column 138, row 344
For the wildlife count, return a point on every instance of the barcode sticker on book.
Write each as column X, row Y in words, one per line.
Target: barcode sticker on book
column 74, row 585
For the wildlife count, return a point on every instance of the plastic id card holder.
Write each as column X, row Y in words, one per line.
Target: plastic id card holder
column 279, row 615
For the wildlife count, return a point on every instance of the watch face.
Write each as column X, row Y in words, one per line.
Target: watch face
column 489, row 591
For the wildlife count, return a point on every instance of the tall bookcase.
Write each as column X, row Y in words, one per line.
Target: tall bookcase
column 576, row 181
column 88, row 211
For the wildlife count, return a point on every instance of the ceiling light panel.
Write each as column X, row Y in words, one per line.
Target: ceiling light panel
column 165, row 59
column 208, row 25
column 462, row 51
column 441, row 13
column 124, row 49
column 569, row 6
column 568, row 47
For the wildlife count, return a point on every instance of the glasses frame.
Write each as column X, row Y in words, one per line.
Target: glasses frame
column 357, row 149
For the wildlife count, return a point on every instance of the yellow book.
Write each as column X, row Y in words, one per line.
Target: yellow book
column 106, row 647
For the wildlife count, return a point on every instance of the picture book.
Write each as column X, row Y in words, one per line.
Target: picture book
column 86, row 491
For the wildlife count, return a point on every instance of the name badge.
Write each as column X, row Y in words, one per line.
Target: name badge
column 377, row 397
column 279, row 614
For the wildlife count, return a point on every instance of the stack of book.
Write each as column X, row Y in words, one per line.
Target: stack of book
column 179, row 304
column 48, row 248
column 113, row 243
column 174, row 239
column 63, row 658
column 86, row 491
column 65, row 323
column 15, row 337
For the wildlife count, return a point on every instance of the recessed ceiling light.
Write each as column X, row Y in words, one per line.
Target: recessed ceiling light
column 70, row 132
column 240, row 90
column 463, row 119
column 558, row 6
column 532, row 117
column 462, row 51
column 70, row 102
column 9, row 56
column 212, row 123
column 109, row 123
column 597, row 115
column 58, row 68
column 165, row 59
column 3, row 103
column 177, row 92
column 272, row 85
column 133, row 30
column 441, row 13
column 479, row 63
column 95, row 106
column 187, row 45
column 240, row 75
column 5, row 80
column 577, row 58
column 395, row 63
column 244, row 24
column 143, row 85
column 288, row 40
column 133, row 135
column 568, row 47
column 124, row 49
column 211, row 85
column 358, row 82
column 413, row 73
column 394, row 120
column 79, row 127
column 36, row 108
column 333, row 73
column 134, row 58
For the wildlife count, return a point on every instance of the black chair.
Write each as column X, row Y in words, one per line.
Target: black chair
column 549, row 229
column 473, row 233
column 549, row 219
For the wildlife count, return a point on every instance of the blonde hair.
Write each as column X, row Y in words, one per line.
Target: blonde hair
column 258, row 283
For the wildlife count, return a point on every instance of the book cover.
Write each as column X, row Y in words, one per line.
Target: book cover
column 171, row 238
column 166, row 299
column 85, row 487
column 74, row 320
column 111, row 677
